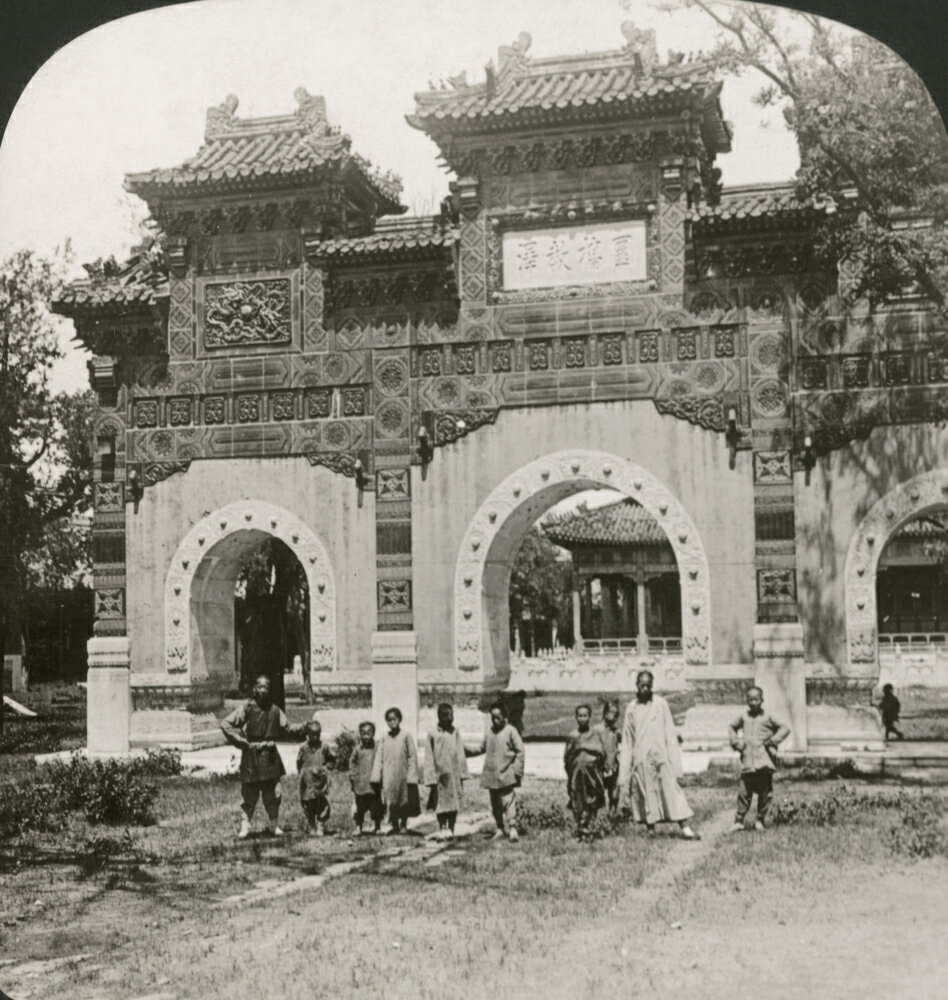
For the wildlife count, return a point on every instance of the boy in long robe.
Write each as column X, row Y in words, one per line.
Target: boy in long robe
column 312, row 763
column 608, row 730
column 445, row 771
column 396, row 770
column 650, row 762
column 755, row 735
column 368, row 802
column 255, row 727
column 584, row 759
column 503, row 771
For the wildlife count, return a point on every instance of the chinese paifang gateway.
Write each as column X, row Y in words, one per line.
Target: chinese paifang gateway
column 399, row 399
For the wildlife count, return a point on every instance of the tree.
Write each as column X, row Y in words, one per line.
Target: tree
column 273, row 617
column 45, row 437
column 866, row 126
column 539, row 582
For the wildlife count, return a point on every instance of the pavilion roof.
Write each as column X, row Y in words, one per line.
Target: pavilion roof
column 110, row 287
column 523, row 91
column 244, row 154
column 756, row 204
column 394, row 236
column 624, row 522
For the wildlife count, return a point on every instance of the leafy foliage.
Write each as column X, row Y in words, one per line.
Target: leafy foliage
column 342, row 746
column 539, row 581
column 865, row 125
column 45, row 437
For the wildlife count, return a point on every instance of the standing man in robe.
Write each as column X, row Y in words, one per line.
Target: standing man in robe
column 255, row 727
column 445, row 771
column 650, row 762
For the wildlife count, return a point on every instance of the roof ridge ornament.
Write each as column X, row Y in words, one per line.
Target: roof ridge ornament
column 220, row 120
column 311, row 110
column 512, row 59
column 640, row 44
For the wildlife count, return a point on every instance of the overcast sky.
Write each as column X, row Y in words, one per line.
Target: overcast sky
column 133, row 95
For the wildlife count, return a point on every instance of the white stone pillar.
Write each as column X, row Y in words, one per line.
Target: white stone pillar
column 108, row 694
column 640, row 612
column 395, row 678
column 577, row 615
column 780, row 672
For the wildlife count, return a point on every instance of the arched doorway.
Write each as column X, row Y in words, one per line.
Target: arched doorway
column 481, row 608
column 200, row 583
column 922, row 495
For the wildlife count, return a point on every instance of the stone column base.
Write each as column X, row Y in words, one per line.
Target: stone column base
column 395, row 677
column 780, row 671
column 108, row 703
column 14, row 676
column 181, row 716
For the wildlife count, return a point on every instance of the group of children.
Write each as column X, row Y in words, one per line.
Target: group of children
column 384, row 774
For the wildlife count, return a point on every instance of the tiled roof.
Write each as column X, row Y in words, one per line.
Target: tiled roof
column 393, row 236
column 931, row 526
column 241, row 154
column 755, row 202
column 617, row 83
column 138, row 283
column 622, row 523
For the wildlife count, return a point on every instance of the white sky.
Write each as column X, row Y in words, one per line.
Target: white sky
column 133, row 94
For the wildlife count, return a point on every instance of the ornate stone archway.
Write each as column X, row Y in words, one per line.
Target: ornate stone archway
column 922, row 493
column 525, row 494
column 256, row 519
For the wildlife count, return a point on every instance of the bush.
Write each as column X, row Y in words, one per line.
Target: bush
column 40, row 735
column 30, row 806
column 158, row 764
column 108, row 791
column 342, row 747
column 919, row 833
column 551, row 818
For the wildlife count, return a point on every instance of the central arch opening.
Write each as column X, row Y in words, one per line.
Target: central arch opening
column 249, row 606
column 580, row 571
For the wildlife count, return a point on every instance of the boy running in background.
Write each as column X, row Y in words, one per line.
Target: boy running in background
column 756, row 735
column 891, row 708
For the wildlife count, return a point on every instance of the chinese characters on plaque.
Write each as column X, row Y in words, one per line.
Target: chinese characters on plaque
column 576, row 255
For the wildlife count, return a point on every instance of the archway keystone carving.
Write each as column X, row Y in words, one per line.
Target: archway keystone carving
column 266, row 519
column 583, row 470
column 916, row 496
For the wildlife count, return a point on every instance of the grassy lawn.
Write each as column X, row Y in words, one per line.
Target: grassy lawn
column 813, row 911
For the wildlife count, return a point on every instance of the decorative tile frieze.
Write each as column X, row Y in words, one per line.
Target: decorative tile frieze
column 215, row 410
column 179, row 411
column 772, row 468
column 776, row 586
column 353, row 402
column 247, row 313
column 282, row 406
column 146, row 413
column 394, row 595
column 109, row 497
column 318, row 403
column 248, row 409
column 392, row 485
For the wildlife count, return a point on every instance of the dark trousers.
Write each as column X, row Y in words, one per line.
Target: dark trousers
column 316, row 809
column 761, row 784
column 612, row 790
column 368, row 805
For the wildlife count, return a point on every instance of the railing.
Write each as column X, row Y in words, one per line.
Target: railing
column 913, row 640
column 610, row 647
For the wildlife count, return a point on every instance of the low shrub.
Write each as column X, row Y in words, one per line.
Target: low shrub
column 828, row 809
column 22, row 736
column 158, row 764
column 30, row 807
column 342, row 746
column 107, row 791
column 919, row 832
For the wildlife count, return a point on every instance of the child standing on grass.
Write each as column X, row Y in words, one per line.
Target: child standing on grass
column 608, row 731
column 891, row 708
column 756, row 735
column 396, row 770
column 503, row 771
column 367, row 799
column 584, row 760
column 445, row 771
column 312, row 763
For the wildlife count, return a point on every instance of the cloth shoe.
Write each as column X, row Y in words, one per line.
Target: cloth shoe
column 277, row 831
column 514, row 836
column 759, row 826
column 498, row 834
column 737, row 827
column 244, row 831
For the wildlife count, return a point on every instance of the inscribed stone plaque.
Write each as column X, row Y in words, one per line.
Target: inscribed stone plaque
column 242, row 313
column 577, row 255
